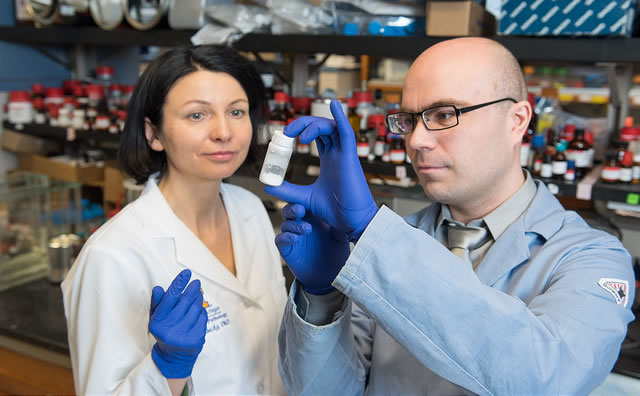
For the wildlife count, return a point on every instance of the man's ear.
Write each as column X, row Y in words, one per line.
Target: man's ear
column 151, row 133
column 522, row 113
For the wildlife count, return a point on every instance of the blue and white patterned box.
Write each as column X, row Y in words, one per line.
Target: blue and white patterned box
column 567, row 17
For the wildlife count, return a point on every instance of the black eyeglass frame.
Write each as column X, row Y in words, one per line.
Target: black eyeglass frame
column 457, row 111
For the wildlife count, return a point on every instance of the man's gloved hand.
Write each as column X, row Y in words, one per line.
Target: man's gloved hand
column 340, row 196
column 314, row 251
column 179, row 323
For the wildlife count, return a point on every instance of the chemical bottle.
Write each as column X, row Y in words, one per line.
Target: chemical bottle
column 611, row 170
column 381, row 141
column 362, row 145
column 570, row 175
column 277, row 158
column 626, row 167
column 397, row 153
column 537, row 154
column 635, row 178
column 559, row 161
column 578, row 151
column 568, row 133
column 546, row 169
column 280, row 114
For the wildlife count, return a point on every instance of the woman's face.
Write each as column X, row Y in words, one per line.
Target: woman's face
column 206, row 130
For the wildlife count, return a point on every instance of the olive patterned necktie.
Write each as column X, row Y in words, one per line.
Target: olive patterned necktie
column 463, row 239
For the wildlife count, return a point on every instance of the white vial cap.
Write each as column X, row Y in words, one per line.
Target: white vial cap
column 283, row 140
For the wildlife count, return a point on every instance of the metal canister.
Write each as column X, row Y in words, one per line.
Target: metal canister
column 63, row 250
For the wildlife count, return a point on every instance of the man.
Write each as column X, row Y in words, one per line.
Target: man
column 493, row 289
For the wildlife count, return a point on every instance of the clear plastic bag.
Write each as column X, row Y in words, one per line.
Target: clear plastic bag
column 297, row 17
column 244, row 18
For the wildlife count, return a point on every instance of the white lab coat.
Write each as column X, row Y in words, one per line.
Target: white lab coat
column 107, row 297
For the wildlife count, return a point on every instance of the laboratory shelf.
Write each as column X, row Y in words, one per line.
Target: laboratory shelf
column 49, row 132
column 579, row 49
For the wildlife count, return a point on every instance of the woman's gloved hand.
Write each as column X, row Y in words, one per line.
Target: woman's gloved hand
column 179, row 323
column 314, row 251
column 340, row 196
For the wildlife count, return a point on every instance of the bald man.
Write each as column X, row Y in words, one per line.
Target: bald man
column 493, row 289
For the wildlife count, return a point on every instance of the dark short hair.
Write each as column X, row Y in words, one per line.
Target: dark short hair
column 135, row 157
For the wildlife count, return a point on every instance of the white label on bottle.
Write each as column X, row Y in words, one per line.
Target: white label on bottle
column 378, row 149
column 581, row 157
column 559, row 167
column 385, row 157
column 570, row 175
column 524, row 154
column 362, row 150
column 626, row 174
column 546, row 170
column 537, row 166
column 102, row 123
column 635, row 174
column 397, row 156
column 20, row 112
column 401, row 172
column 610, row 174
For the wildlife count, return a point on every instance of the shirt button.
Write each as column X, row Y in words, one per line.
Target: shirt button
column 260, row 388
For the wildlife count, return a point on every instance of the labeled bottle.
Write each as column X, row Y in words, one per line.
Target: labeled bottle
column 277, row 158
column 626, row 167
column 559, row 161
column 280, row 114
column 537, row 156
column 611, row 170
column 570, row 175
column 381, row 140
column 397, row 153
column 362, row 145
column 546, row 169
column 635, row 178
column 578, row 151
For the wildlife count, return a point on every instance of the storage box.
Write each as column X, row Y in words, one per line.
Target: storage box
column 113, row 189
column 61, row 170
column 459, row 18
column 567, row 18
column 20, row 143
column 339, row 80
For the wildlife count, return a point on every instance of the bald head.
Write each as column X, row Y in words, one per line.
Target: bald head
column 483, row 60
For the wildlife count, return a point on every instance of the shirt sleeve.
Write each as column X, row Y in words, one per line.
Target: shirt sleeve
column 324, row 359
column 563, row 341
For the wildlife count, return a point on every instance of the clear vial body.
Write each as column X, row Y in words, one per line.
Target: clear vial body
column 277, row 159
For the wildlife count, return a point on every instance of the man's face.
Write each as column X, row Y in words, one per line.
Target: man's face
column 463, row 164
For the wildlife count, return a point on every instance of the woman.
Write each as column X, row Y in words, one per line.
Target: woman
column 191, row 123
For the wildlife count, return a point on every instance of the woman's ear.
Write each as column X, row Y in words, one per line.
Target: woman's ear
column 151, row 133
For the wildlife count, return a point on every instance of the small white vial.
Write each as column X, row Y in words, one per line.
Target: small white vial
column 277, row 159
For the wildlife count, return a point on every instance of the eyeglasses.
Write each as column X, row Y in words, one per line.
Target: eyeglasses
column 435, row 118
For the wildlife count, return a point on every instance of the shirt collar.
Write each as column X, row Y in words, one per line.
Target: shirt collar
column 503, row 216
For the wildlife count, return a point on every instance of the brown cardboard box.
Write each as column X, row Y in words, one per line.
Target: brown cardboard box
column 459, row 18
column 86, row 173
column 113, row 188
column 20, row 143
column 341, row 81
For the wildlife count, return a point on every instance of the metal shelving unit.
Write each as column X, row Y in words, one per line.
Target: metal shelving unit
column 580, row 50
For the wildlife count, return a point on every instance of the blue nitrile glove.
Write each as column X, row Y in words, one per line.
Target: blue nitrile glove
column 314, row 251
column 179, row 323
column 340, row 196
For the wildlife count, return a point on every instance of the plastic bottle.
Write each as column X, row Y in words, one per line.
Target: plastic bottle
column 277, row 159
column 20, row 108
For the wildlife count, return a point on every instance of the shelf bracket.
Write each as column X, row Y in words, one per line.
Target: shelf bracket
column 51, row 57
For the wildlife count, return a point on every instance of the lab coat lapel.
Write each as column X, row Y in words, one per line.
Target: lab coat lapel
column 163, row 225
column 542, row 219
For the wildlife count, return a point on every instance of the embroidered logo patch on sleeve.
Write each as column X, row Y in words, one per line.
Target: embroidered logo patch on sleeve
column 618, row 288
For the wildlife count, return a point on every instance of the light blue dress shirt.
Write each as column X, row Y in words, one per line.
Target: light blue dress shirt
column 539, row 316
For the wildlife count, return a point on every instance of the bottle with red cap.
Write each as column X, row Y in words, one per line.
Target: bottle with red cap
column 54, row 98
column 611, row 170
column 281, row 113
column 629, row 133
column 20, row 108
column 301, row 108
column 377, row 125
column 568, row 133
column 105, row 75
column 626, row 167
